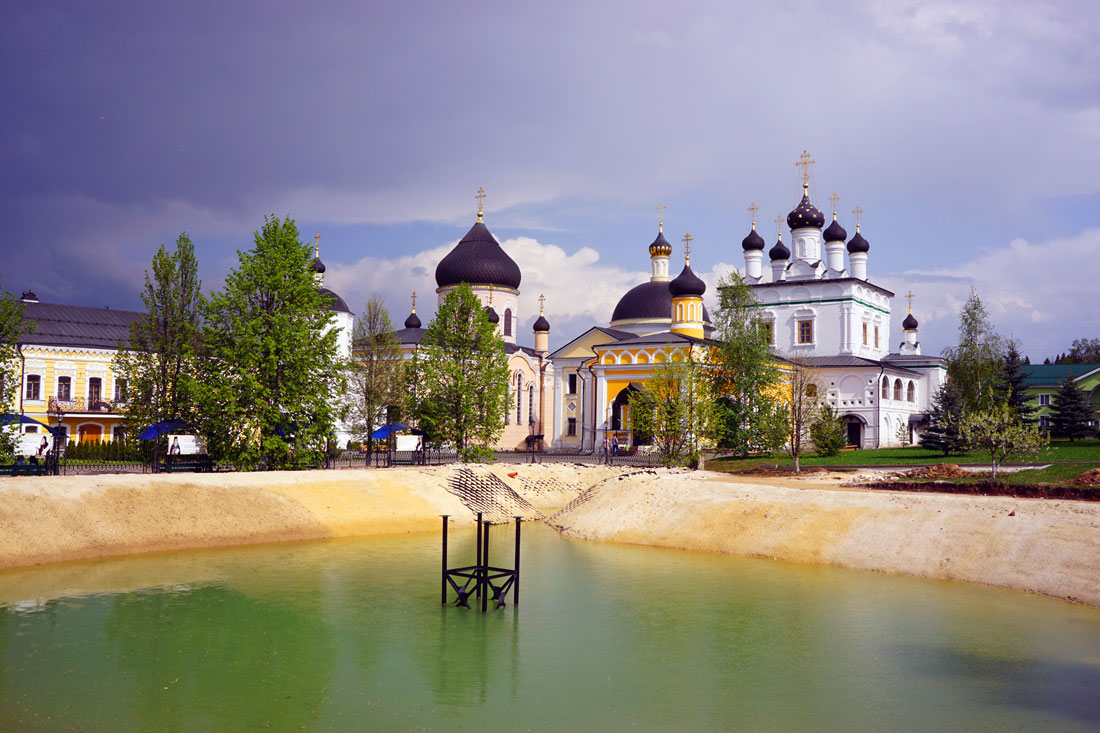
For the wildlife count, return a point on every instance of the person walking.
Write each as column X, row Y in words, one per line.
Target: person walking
column 614, row 445
column 605, row 454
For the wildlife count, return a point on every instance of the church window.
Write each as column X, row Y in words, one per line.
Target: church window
column 911, row 392
column 897, row 390
column 531, row 404
column 571, row 426
column 768, row 331
column 519, row 399
column 34, row 387
column 876, row 337
column 573, row 384
column 64, row 388
column 805, row 332
column 886, row 388
column 507, row 321
column 864, row 334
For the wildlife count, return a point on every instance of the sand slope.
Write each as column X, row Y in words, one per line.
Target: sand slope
column 1047, row 547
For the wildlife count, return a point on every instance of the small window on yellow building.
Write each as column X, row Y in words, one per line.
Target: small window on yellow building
column 805, row 332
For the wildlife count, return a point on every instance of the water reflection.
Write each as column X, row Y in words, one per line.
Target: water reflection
column 320, row 634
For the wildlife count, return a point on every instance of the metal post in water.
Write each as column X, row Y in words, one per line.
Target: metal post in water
column 477, row 565
column 444, row 591
column 515, row 582
column 485, row 571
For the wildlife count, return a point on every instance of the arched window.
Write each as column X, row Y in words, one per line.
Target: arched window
column 519, row 399
column 911, row 392
column 531, row 404
column 507, row 321
column 679, row 311
column 897, row 390
column 886, row 388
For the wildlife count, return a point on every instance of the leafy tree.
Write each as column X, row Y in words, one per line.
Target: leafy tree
column 376, row 372
column 805, row 390
column 944, row 419
column 159, row 361
column 12, row 326
column 1010, row 386
column 999, row 433
column 458, row 381
column 676, row 409
column 827, row 431
column 745, row 374
column 1083, row 351
column 1070, row 411
column 974, row 365
column 270, row 372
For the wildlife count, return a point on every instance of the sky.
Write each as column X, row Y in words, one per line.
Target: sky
column 968, row 132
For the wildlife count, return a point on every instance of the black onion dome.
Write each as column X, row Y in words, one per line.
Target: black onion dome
column 478, row 260
column 779, row 251
column 648, row 301
column 835, row 232
column 413, row 321
column 660, row 246
column 805, row 215
column 753, row 241
column 337, row 305
column 492, row 314
column 910, row 323
column 858, row 244
column 317, row 265
column 687, row 283
column 541, row 324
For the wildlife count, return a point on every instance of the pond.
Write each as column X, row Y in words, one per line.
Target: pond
column 350, row 634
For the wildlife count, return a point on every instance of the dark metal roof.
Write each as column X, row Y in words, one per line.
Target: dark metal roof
column 647, row 301
column 858, row 244
column 77, row 325
column 753, row 241
column 845, row 360
column 338, row 304
column 1052, row 375
column 541, row 324
column 409, row 336
column 413, row 321
column 909, row 323
column 805, row 215
column 835, row 233
column 687, row 283
column 802, row 283
column 665, row 337
column 660, row 246
column 779, row 251
column 478, row 260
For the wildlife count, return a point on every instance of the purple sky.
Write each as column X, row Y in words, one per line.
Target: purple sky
column 968, row 131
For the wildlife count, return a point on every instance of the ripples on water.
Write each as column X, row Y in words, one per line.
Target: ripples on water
column 349, row 634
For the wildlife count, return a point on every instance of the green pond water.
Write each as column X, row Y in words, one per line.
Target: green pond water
column 350, row 635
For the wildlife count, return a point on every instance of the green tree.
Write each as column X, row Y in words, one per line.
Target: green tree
column 676, row 409
column 158, row 362
column 805, row 390
column 944, row 419
column 1070, row 411
column 974, row 365
column 827, row 431
column 1011, row 388
column 1083, row 351
column 376, row 372
column 12, row 326
column 269, row 375
column 998, row 433
column 458, row 381
column 745, row 373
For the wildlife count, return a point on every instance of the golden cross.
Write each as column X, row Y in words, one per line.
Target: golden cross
column 542, row 302
column 779, row 225
column 753, row 208
column 480, row 200
column 686, row 239
column 317, row 244
column 910, row 297
column 661, row 217
column 414, row 301
column 834, row 198
column 858, row 211
column 804, row 162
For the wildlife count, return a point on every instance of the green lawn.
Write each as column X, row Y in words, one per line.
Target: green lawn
column 1060, row 451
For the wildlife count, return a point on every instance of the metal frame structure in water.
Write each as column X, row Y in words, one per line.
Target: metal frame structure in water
column 481, row 579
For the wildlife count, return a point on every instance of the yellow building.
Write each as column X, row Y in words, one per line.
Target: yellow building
column 65, row 366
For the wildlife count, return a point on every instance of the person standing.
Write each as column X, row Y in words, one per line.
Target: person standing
column 605, row 454
column 614, row 445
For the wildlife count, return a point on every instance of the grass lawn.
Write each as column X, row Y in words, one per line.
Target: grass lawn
column 1060, row 451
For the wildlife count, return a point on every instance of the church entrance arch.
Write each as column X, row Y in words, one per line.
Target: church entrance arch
column 620, row 413
column 853, row 426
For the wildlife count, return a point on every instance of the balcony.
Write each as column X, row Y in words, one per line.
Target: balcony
column 80, row 405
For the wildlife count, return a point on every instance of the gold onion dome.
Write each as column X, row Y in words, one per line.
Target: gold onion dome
column 805, row 214
column 660, row 246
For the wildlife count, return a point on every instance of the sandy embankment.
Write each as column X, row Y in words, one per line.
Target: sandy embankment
column 1042, row 546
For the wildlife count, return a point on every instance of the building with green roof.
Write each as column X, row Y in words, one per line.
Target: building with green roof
column 1043, row 380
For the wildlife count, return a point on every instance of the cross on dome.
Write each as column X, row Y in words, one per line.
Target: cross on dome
column 661, row 217
column 858, row 212
column 909, row 296
column 317, row 244
column 414, row 301
column 542, row 302
column 779, row 226
column 804, row 162
column 834, row 198
column 753, row 208
column 686, row 239
column 480, row 201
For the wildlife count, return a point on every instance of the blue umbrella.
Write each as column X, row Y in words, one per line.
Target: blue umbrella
column 11, row 418
column 163, row 427
column 387, row 430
